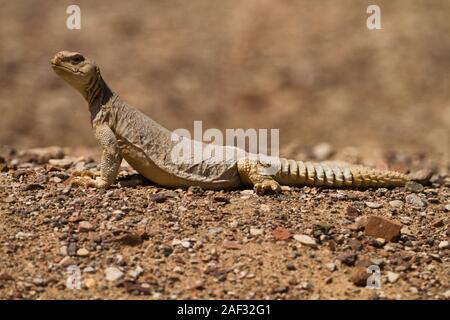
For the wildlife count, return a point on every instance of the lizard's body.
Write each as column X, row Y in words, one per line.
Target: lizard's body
column 124, row 132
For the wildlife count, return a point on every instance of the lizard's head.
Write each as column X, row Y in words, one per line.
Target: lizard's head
column 74, row 68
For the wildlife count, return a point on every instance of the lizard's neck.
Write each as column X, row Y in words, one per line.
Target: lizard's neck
column 97, row 94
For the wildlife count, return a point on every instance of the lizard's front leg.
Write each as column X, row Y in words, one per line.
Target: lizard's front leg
column 251, row 172
column 110, row 162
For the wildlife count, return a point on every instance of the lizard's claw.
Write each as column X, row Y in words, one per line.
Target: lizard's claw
column 267, row 186
column 86, row 182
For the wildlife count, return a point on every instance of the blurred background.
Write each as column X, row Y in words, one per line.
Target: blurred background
column 310, row 68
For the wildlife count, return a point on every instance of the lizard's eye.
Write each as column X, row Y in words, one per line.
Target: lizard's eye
column 77, row 59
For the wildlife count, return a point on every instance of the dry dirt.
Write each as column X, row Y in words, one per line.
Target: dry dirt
column 309, row 68
column 138, row 240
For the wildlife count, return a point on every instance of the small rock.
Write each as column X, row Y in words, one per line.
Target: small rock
column 62, row 163
column 447, row 207
column 72, row 249
column 373, row 205
column 378, row 242
column 90, row 283
column 85, row 226
column 23, row 235
column 232, row 245
column 63, row 250
column 406, row 231
column 195, row 190
column 380, row 227
column 414, row 186
column 136, row 272
column 305, row 240
column 437, row 223
column 113, row 274
column 415, row 201
column 281, row 234
column 330, row 266
column 353, row 212
column 447, row 294
column 33, row 187
column 185, row 244
column 322, row 151
column 82, row 252
column 9, row 199
column 392, row 276
column 413, row 290
column 397, row 204
column 158, row 197
column 359, row 276
column 348, row 258
column 220, row 199
column 444, row 245
column 89, row 270
column 256, row 232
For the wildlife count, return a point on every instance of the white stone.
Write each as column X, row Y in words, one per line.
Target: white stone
column 305, row 240
column 392, row 276
column 113, row 274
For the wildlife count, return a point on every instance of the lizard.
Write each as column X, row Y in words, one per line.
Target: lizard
column 124, row 132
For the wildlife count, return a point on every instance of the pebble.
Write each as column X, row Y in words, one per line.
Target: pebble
column 305, row 240
column 322, row 151
column 113, row 274
column 359, row 276
column 413, row 290
column 185, row 244
column 136, row 272
column 82, row 252
column 414, row 186
column 444, row 245
column 373, row 205
column 397, row 204
column 447, row 207
column 63, row 250
column 380, row 227
column 392, row 276
column 89, row 270
column 256, row 232
column 281, row 234
column 90, row 283
column 330, row 266
column 85, row 226
column 347, row 258
column 72, row 249
column 447, row 294
column 23, row 235
column 415, row 201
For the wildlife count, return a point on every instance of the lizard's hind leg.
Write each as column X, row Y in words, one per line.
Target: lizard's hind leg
column 251, row 173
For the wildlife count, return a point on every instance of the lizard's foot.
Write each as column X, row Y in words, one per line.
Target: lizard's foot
column 267, row 186
column 89, row 174
column 88, row 182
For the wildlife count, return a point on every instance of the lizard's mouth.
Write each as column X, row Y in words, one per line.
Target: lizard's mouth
column 60, row 67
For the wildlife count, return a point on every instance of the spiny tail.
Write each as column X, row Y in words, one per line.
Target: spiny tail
column 299, row 173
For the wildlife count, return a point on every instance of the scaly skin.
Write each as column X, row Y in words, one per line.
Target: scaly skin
column 124, row 132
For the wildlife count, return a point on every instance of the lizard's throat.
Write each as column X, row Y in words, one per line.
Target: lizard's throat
column 94, row 89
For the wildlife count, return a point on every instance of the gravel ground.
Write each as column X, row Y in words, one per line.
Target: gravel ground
column 137, row 240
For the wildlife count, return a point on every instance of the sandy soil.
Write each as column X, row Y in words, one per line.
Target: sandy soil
column 138, row 240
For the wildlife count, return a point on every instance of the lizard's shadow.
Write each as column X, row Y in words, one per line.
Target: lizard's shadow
column 133, row 180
